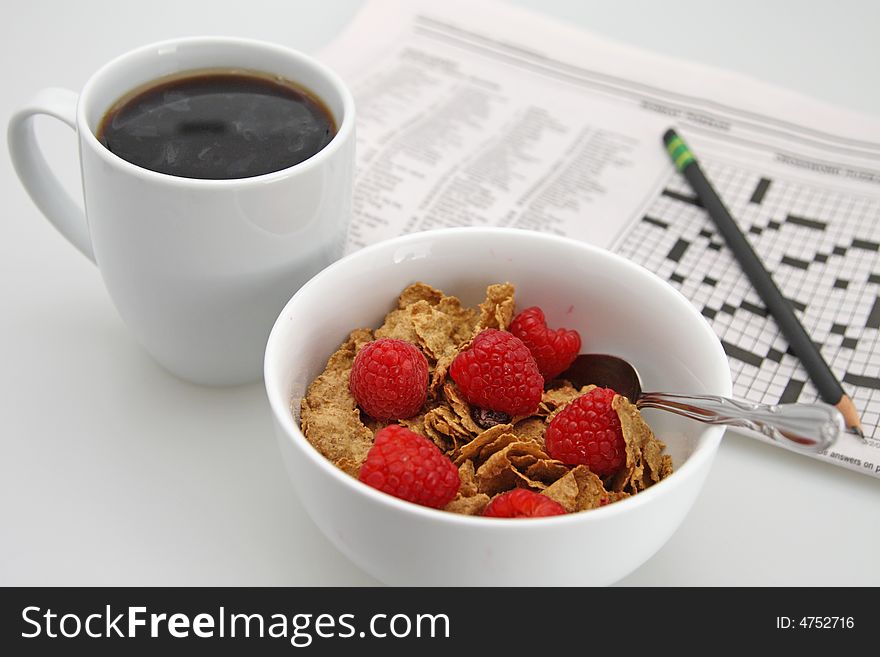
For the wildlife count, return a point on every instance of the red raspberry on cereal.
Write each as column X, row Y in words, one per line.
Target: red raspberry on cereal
column 587, row 432
column 389, row 379
column 554, row 350
column 404, row 464
column 498, row 372
column 522, row 503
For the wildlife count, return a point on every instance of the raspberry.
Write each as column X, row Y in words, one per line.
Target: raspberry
column 389, row 379
column 404, row 464
column 554, row 351
column 498, row 373
column 587, row 432
column 522, row 503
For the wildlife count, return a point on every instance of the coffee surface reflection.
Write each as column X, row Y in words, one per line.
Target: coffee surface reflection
column 217, row 125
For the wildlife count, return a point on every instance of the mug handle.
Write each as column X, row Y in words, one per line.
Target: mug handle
column 36, row 176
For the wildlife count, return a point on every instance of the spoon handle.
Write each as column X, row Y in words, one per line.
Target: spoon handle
column 807, row 427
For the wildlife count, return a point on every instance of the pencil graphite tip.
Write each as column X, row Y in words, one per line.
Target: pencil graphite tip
column 850, row 416
column 858, row 432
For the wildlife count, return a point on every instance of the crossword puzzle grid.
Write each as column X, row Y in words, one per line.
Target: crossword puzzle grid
column 821, row 246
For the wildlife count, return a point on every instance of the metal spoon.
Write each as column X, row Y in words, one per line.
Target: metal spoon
column 807, row 427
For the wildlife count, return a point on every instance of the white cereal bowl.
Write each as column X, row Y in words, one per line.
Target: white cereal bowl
column 618, row 307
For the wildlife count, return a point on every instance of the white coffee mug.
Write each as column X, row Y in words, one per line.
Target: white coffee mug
column 198, row 269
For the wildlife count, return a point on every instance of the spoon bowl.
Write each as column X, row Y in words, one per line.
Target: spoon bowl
column 805, row 427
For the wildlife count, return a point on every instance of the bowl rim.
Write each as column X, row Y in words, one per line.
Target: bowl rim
column 704, row 452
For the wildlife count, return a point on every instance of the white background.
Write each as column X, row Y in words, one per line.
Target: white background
column 114, row 472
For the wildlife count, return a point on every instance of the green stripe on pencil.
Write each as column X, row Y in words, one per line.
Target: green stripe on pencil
column 779, row 307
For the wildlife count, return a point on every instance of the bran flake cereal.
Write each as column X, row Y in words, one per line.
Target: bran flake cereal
column 494, row 453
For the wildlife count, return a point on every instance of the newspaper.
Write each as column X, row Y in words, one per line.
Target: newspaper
column 484, row 114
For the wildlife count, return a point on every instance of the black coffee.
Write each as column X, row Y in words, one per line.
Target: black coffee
column 217, row 125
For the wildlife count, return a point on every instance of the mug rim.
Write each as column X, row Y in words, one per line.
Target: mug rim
column 342, row 136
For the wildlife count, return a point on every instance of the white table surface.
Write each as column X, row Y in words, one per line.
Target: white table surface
column 113, row 472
